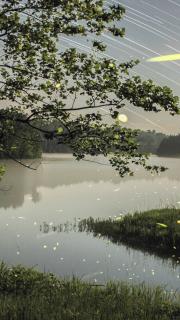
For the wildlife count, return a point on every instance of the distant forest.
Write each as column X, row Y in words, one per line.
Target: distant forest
column 159, row 143
column 25, row 142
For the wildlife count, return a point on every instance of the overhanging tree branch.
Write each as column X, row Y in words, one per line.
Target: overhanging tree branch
column 38, row 78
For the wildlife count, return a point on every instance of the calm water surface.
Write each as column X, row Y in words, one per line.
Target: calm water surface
column 39, row 211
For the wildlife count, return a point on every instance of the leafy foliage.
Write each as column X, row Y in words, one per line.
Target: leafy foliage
column 2, row 170
column 21, row 142
column 40, row 80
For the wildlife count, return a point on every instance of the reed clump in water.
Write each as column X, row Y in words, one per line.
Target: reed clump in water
column 156, row 230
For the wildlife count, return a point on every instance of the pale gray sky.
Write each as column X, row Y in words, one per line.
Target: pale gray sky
column 152, row 29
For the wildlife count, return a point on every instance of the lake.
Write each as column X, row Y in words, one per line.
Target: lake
column 40, row 210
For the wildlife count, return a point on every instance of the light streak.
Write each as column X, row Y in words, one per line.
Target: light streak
column 123, row 44
column 176, row 50
column 140, row 45
column 161, row 74
column 144, row 118
column 142, row 13
column 168, row 57
column 138, row 115
column 159, row 25
column 86, row 48
column 160, row 10
column 150, row 29
column 177, row 4
column 155, row 52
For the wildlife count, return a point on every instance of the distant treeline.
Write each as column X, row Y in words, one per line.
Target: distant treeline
column 169, row 146
column 149, row 141
column 159, row 143
column 21, row 142
column 51, row 146
column 25, row 142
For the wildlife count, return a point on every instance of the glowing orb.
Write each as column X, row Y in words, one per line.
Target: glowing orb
column 58, row 85
column 169, row 57
column 122, row 118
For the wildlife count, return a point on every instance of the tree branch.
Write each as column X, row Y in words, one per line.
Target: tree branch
column 94, row 161
column 19, row 161
column 90, row 107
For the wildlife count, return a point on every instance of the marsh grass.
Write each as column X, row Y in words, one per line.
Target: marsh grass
column 26, row 294
column 155, row 231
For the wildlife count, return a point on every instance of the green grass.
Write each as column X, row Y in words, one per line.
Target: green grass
column 156, row 231
column 26, row 294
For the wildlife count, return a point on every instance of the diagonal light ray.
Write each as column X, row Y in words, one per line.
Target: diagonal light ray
column 160, row 10
column 139, row 12
column 168, row 57
column 146, row 48
column 144, row 118
column 172, row 48
column 139, row 116
column 123, row 44
column 177, row 4
column 149, row 29
column 161, row 75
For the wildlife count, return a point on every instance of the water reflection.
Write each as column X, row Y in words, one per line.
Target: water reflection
column 20, row 184
column 61, row 227
column 78, row 225
column 61, row 191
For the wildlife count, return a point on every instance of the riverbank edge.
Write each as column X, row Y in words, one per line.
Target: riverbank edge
column 29, row 294
column 155, row 231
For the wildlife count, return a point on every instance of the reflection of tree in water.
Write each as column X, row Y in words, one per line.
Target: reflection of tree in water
column 22, row 182
column 79, row 225
column 19, row 183
column 36, row 197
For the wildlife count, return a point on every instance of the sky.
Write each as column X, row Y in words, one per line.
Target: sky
column 152, row 29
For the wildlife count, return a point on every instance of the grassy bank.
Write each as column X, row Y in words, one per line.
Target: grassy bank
column 157, row 231
column 26, row 294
